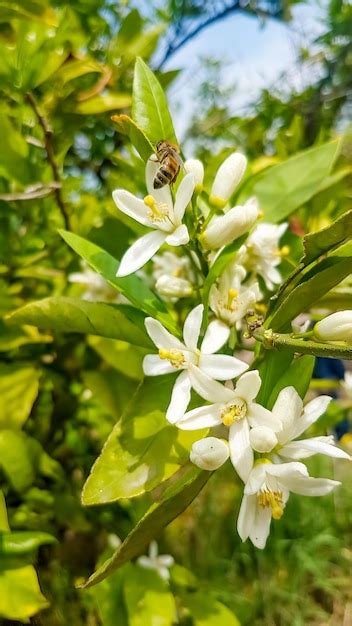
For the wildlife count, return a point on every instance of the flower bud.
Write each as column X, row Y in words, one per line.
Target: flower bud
column 227, row 178
column 195, row 167
column 226, row 228
column 173, row 287
column 335, row 327
column 209, row 453
column 262, row 439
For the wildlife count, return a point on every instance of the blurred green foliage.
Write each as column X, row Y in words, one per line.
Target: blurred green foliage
column 65, row 67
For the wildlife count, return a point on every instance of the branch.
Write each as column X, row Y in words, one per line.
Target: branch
column 48, row 134
column 30, row 193
column 279, row 341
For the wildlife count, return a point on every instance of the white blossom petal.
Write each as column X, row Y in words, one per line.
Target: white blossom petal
column 247, row 387
column 259, row 416
column 287, row 409
column 179, row 236
column 255, row 479
column 191, row 328
column 140, row 252
column 135, row 208
column 180, row 398
column 207, row 388
column 228, row 176
column 183, row 197
column 246, row 516
column 261, row 527
column 226, row 228
column 308, row 486
column 202, row 417
column 215, row 337
column 221, row 366
column 153, row 365
column 312, row 411
column 305, row 448
column 160, row 336
column 241, row 453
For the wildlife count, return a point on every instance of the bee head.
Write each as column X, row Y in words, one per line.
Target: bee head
column 160, row 144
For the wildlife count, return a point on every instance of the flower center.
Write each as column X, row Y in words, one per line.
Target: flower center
column 233, row 412
column 231, row 296
column 266, row 498
column 175, row 357
column 158, row 211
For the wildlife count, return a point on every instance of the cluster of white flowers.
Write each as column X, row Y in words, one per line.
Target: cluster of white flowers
column 262, row 444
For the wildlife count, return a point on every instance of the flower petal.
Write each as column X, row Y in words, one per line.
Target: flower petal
column 221, row 366
column 153, row 365
column 305, row 448
column 246, row 516
column 183, row 197
column 179, row 237
column 180, row 397
column 255, row 479
column 191, row 328
column 162, row 195
column 132, row 206
column 160, row 336
column 202, row 417
column 310, row 486
column 166, row 560
column 312, row 411
column 208, row 388
column 287, row 409
column 215, row 337
column 241, row 453
column 247, row 387
column 261, row 527
column 140, row 252
column 259, row 416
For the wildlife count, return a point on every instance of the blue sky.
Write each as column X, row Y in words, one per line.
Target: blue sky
column 255, row 54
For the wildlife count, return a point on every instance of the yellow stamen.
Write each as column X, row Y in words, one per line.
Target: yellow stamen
column 158, row 211
column 231, row 295
column 284, row 251
column 176, row 357
column 233, row 413
column 266, row 498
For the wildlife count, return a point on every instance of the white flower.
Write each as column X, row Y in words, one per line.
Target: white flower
column 266, row 493
column 261, row 253
column 227, row 178
column 195, row 167
column 294, row 419
column 158, row 562
column 335, row 327
column 235, row 408
column 172, row 287
column 209, row 453
column 224, row 229
column 177, row 356
column 229, row 299
column 158, row 212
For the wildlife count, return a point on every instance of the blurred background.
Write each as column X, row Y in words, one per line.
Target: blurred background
column 270, row 78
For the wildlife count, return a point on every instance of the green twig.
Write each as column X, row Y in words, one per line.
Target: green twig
column 280, row 341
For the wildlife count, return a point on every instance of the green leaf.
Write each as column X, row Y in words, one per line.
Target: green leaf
column 72, row 315
column 111, row 389
column 23, row 542
column 207, row 611
column 143, row 449
column 126, row 126
column 327, row 275
column 148, row 599
column 20, row 594
column 124, row 357
column 284, row 187
column 103, row 103
column 109, row 600
column 29, row 10
column 18, row 391
column 336, row 234
column 176, row 498
column 149, row 105
column 135, row 289
column 297, row 375
column 270, row 370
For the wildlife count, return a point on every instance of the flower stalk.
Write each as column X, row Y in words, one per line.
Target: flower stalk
column 282, row 341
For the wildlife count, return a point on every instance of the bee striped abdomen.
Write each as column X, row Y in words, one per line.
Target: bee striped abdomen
column 163, row 177
column 170, row 161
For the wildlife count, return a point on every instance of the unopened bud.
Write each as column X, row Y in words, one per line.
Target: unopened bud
column 195, row 167
column 209, row 453
column 335, row 327
column 262, row 439
column 227, row 178
column 173, row 287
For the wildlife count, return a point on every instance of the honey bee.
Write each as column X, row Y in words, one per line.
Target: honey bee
column 168, row 155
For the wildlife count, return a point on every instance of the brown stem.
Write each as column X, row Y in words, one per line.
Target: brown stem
column 48, row 135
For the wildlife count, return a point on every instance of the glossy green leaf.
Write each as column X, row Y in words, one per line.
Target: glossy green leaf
column 175, row 499
column 270, row 370
column 135, row 289
column 78, row 67
column 126, row 126
column 29, row 10
column 23, row 542
column 149, row 105
column 111, row 390
column 336, row 234
column 148, row 599
column 207, row 611
column 307, row 293
column 124, row 357
column 109, row 599
column 20, row 594
column 72, row 315
column 143, row 449
column 4, row 522
column 18, row 391
column 284, row 187
column 297, row 375
column 103, row 103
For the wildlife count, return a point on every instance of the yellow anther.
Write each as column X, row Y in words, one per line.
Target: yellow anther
column 158, row 211
column 284, row 251
column 273, row 499
column 176, row 357
column 231, row 295
column 149, row 201
column 217, row 202
column 233, row 413
column 260, row 214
